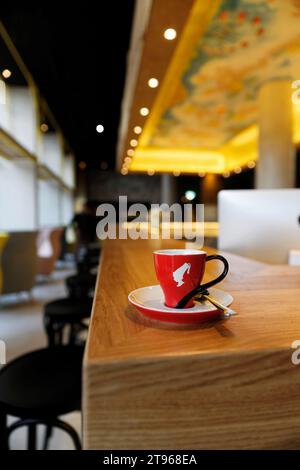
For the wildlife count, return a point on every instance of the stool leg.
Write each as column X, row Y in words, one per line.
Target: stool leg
column 48, row 434
column 59, row 336
column 3, row 433
column 57, row 423
column 49, row 332
column 31, row 437
column 72, row 334
column 75, row 439
column 53, row 423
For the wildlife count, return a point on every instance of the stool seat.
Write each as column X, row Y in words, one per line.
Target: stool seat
column 81, row 285
column 84, row 279
column 43, row 383
column 68, row 309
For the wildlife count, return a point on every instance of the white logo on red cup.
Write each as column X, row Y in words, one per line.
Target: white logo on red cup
column 178, row 275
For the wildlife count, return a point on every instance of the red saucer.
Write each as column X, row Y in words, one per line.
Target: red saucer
column 150, row 302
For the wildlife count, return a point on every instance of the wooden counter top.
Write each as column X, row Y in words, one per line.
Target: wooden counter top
column 230, row 384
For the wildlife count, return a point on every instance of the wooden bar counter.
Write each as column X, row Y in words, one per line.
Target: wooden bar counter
column 225, row 385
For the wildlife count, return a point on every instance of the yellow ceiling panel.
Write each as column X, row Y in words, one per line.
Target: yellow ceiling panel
column 205, row 115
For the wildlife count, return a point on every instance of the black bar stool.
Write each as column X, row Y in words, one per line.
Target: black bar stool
column 61, row 313
column 81, row 285
column 38, row 387
column 87, row 259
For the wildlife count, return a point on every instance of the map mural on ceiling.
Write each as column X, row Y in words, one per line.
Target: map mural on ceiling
column 247, row 43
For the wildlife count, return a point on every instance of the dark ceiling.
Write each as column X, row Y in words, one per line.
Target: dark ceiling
column 77, row 57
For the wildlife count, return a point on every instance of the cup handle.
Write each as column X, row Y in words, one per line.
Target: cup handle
column 209, row 284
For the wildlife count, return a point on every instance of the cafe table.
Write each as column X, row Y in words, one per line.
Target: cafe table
column 230, row 384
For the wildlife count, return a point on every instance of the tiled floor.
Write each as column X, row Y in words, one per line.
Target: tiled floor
column 21, row 327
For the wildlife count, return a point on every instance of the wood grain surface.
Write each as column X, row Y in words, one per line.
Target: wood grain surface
column 229, row 384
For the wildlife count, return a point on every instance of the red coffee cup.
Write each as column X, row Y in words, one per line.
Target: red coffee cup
column 180, row 273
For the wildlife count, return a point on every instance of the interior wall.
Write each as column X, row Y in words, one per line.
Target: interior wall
column 108, row 186
column 67, row 207
column 49, row 209
column 22, row 119
column 4, row 109
column 17, row 195
column 69, row 170
column 50, row 153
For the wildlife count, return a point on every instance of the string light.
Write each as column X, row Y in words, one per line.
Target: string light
column 144, row 111
column 137, row 130
column 170, row 34
column 100, row 128
column 190, row 195
column 133, row 142
column 44, row 127
column 6, row 73
column 153, row 83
